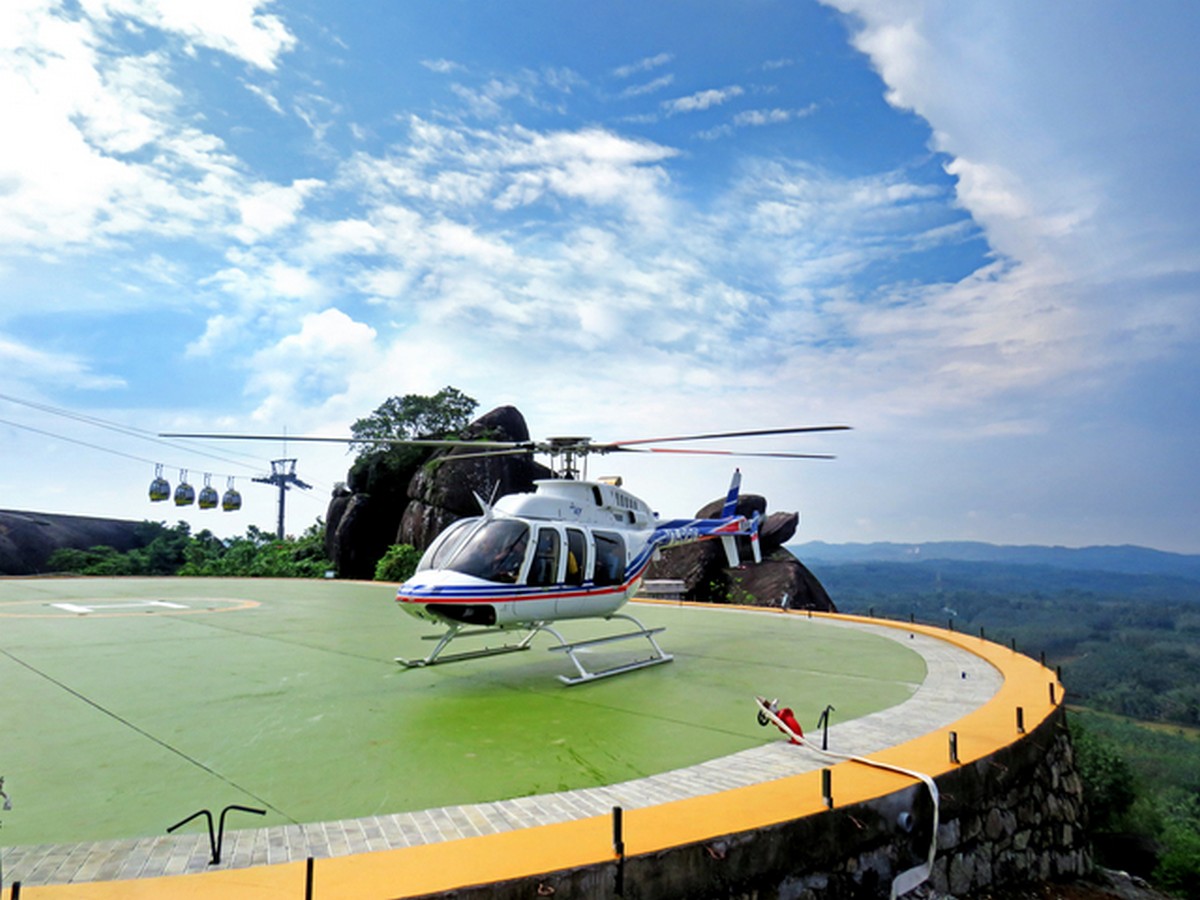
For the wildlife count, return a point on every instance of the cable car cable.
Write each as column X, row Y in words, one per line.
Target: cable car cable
column 130, row 431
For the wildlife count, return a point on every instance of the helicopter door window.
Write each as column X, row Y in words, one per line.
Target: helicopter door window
column 576, row 556
column 544, row 569
column 610, row 559
column 495, row 551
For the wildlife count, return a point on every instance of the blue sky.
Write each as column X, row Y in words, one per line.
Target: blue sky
column 966, row 229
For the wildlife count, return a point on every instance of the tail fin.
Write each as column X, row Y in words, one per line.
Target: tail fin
column 731, row 499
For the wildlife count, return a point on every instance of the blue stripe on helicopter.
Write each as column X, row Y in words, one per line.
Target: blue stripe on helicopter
column 471, row 593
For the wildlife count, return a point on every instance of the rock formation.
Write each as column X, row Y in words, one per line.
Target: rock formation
column 410, row 496
column 27, row 539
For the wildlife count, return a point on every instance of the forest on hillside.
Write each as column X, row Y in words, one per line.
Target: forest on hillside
column 1126, row 644
column 1128, row 647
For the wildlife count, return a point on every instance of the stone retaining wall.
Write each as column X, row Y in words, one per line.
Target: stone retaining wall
column 1011, row 818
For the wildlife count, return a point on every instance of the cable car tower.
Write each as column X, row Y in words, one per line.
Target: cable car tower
column 283, row 476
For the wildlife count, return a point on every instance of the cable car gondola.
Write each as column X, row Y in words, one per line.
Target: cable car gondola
column 208, row 494
column 232, row 500
column 160, row 488
column 185, row 494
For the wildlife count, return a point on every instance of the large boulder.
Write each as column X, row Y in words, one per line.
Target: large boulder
column 410, row 496
column 27, row 539
column 449, row 486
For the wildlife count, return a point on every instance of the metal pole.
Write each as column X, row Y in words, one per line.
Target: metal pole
column 619, row 848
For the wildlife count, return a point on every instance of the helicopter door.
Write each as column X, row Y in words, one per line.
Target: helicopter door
column 543, row 571
column 577, row 559
column 574, row 570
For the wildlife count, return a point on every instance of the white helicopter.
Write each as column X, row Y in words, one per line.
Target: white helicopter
column 572, row 549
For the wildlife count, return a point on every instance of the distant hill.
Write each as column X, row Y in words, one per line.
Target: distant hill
column 1124, row 559
column 28, row 538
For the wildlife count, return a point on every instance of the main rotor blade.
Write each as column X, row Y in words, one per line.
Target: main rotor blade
column 310, row 438
column 510, row 451
column 779, row 455
column 603, row 448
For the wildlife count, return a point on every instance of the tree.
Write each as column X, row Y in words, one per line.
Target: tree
column 1109, row 786
column 440, row 415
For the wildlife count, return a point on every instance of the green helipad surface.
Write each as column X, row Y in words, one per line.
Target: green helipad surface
column 131, row 703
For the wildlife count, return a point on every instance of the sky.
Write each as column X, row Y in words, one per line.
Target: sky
column 967, row 229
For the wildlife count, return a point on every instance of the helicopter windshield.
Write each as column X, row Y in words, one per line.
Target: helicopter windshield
column 446, row 544
column 494, row 551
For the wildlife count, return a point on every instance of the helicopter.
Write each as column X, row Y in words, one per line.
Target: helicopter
column 572, row 549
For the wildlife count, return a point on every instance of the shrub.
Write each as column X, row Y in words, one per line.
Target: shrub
column 398, row 563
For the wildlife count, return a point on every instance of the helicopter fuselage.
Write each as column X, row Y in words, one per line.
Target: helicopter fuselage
column 572, row 549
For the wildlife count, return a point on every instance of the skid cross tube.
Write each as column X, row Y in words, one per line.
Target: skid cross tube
column 457, row 631
column 657, row 656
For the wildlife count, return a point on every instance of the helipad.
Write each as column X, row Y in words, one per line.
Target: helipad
column 131, row 704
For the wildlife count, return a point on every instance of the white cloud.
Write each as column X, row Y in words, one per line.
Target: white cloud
column 1061, row 131
column 772, row 116
column 702, row 100
column 643, row 65
column 487, row 101
column 443, row 66
column 261, row 281
column 312, row 364
column 23, row 363
column 650, row 87
column 105, row 149
column 270, row 207
column 513, row 167
column 220, row 331
column 236, row 27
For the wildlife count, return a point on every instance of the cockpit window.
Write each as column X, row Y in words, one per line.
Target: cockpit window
column 446, row 544
column 494, row 551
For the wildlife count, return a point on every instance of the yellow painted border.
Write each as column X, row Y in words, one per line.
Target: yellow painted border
column 528, row 852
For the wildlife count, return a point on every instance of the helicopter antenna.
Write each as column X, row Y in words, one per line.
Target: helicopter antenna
column 283, row 476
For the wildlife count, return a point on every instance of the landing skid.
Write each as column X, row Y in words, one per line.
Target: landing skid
column 456, row 631
column 656, row 657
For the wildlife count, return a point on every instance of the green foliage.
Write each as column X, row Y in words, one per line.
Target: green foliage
column 1165, row 767
column 1126, row 643
column 1128, row 649
column 261, row 555
column 1179, row 866
column 398, row 563
column 162, row 554
column 1108, row 782
column 175, row 551
column 414, row 416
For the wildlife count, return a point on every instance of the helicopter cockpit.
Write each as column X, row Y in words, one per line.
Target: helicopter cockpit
column 496, row 550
